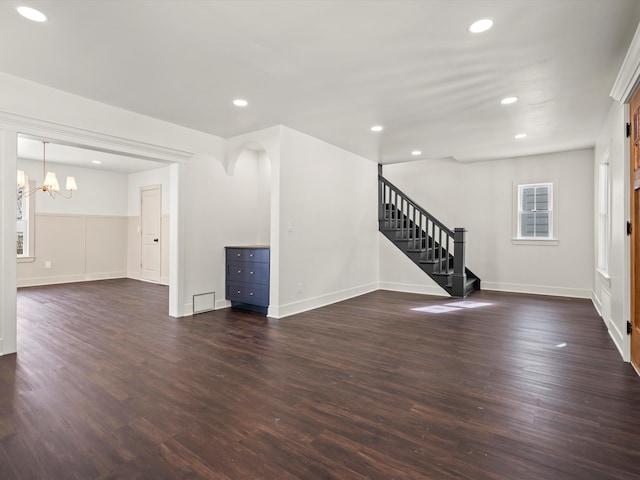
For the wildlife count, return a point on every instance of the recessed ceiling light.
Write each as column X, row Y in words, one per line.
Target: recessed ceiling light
column 239, row 102
column 32, row 14
column 416, row 153
column 377, row 128
column 97, row 162
column 520, row 135
column 508, row 100
column 481, row 25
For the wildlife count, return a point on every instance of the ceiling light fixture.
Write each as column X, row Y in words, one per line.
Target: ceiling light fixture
column 97, row 162
column 520, row 135
column 481, row 25
column 377, row 128
column 508, row 100
column 239, row 102
column 50, row 183
column 32, row 14
column 415, row 153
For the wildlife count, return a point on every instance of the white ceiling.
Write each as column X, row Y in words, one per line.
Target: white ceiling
column 333, row 69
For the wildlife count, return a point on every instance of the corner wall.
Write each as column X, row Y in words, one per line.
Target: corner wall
column 328, row 227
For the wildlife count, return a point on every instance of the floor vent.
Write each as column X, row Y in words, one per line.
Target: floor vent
column 204, row 302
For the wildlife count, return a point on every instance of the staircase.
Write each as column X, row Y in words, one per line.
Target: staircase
column 436, row 249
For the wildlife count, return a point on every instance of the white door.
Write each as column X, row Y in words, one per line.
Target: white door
column 150, row 222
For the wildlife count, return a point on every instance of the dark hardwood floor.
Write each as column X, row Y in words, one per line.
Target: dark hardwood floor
column 106, row 385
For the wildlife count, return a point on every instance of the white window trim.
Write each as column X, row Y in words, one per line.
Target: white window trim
column 516, row 239
column 533, row 241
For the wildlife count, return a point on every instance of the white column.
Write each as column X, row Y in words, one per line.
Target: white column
column 176, row 244
column 8, row 315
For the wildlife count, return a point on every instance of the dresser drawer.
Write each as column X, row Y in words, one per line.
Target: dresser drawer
column 258, row 255
column 254, row 273
column 250, row 294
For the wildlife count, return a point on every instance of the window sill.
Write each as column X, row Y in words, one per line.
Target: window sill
column 604, row 275
column 533, row 241
column 26, row 259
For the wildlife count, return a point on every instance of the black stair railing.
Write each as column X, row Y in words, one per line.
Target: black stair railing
column 425, row 234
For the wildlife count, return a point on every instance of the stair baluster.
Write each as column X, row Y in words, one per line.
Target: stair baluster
column 436, row 249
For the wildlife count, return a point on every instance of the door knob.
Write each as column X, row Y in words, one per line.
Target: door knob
column 155, row 240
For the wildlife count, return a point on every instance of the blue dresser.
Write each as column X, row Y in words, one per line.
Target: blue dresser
column 247, row 277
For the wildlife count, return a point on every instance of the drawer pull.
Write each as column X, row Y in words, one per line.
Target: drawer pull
column 250, row 273
column 251, row 254
column 238, row 254
column 251, row 294
column 239, row 271
column 239, row 292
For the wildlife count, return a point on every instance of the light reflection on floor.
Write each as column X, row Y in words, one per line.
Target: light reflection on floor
column 450, row 307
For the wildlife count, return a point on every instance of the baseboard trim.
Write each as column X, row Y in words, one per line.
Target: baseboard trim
column 294, row 308
column 219, row 305
column 412, row 288
column 105, row 276
column 597, row 305
column 39, row 281
column 617, row 337
column 136, row 276
column 537, row 290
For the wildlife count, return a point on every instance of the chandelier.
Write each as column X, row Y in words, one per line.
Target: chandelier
column 50, row 183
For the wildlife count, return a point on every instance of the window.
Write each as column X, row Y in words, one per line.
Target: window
column 604, row 215
column 24, row 224
column 21, row 223
column 535, row 211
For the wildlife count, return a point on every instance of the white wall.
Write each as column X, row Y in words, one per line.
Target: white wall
column 610, row 292
column 480, row 198
column 156, row 176
column 263, row 194
column 328, row 224
column 99, row 192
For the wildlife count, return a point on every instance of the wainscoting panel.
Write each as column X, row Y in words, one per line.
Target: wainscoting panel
column 106, row 244
column 73, row 248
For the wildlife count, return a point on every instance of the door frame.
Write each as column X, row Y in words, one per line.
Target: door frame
column 11, row 124
column 634, row 237
column 145, row 188
column 624, row 88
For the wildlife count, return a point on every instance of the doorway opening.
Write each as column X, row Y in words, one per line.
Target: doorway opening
column 94, row 235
